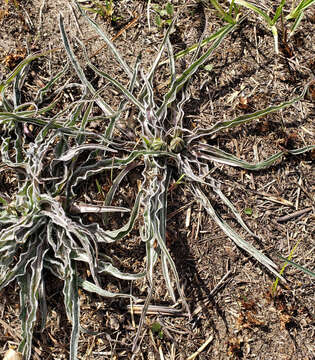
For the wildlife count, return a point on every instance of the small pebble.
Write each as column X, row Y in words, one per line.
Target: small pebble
column 12, row 355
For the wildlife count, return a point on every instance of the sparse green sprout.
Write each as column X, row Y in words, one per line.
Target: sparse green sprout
column 275, row 284
column 15, row 3
column 109, row 8
column 99, row 189
column 163, row 14
column 105, row 10
column 263, row 12
column 156, row 144
column 288, row 261
column 302, row 268
column 156, row 328
column 296, row 13
column 176, row 183
column 179, row 181
column 248, row 211
column 146, row 141
column 226, row 15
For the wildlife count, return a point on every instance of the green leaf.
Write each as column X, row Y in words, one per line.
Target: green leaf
column 256, row 9
column 156, row 328
column 297, row 11
column 296, row 23
column 158, row 20
column 278, row 12
column 308, row 272
column 169, row 9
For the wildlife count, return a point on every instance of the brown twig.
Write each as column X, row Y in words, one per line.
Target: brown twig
column 219, row 285
column 155, row 309
column 293, row 215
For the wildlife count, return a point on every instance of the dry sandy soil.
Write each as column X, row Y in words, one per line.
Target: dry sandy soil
column 239, row 318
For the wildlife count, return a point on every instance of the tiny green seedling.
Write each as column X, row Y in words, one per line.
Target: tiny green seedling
column 275, row 284
column 105, row 10
column 99, row 189
column 288, row 261
column 179, row 181
column 164, row 14
column 156, row 328
column 176, row 183
column 226, row 15
column 14, row 2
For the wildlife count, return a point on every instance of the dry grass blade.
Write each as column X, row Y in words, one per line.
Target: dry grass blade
column 200, row 350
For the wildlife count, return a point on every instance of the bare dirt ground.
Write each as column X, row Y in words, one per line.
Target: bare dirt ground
column 240, row 319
